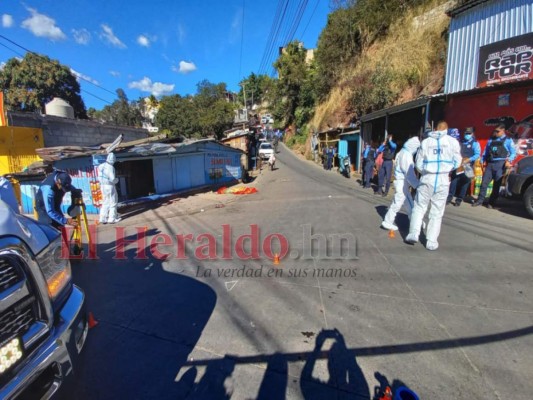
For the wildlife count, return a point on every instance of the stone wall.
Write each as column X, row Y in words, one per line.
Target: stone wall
column 59, row 131
column 434, row 14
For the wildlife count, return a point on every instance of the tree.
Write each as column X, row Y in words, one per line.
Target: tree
column 292, row 72
column 255, row 87
column 29, row 84
column 178, row 115
column 215, row 113
column 121, row 112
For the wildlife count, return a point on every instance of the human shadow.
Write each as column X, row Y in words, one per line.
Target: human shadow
column 149, row 315
column 212, row 385
column 346, row 379
column 274, row 383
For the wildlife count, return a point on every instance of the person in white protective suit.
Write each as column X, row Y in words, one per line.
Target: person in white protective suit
column 439, row 154
column 404, row 179
column 107, row 178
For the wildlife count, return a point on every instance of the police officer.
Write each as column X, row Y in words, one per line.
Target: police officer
column 49, row 198
column 499, row 154
column 369, row 161
column 388, row 148
column 470, row 151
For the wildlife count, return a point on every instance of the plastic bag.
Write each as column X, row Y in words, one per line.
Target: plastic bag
column 469, row 171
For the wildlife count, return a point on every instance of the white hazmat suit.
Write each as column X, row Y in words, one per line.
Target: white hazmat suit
column 107, row 178
column 404, row 179
column 438, row 155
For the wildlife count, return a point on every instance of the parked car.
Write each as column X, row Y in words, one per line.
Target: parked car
column 522, row 134
column 265, row 150
column 43, row 323
column 520, row 182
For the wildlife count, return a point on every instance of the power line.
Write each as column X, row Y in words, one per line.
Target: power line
column 312, row 15
column 39, row 55
column 242, row 36
column 275, row 39
column 271, row 35
column 14, row 51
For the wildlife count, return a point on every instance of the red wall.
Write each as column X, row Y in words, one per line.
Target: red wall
column 481, row 110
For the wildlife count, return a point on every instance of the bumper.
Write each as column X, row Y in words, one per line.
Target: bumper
column 48, row 366
column 515, row 183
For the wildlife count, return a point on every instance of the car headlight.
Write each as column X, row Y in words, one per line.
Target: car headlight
column 56, row 268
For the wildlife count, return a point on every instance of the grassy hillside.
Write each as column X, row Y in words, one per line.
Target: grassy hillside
column 406, row 62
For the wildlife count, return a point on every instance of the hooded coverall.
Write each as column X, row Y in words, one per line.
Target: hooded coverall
column 106, row 176
column 438, row 155
column 404, row 180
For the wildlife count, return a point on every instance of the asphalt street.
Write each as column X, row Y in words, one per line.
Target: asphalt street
column 347, row 310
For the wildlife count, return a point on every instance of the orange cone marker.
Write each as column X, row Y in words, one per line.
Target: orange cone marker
column 91, row 321
column 392, row 234
column 276, row 259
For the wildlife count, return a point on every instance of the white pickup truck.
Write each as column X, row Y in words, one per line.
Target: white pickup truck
column 43, row 324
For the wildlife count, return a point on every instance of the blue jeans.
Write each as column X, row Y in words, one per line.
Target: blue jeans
column 463, row 182
column 494, row 171
column 369, row 172
column 385, row 173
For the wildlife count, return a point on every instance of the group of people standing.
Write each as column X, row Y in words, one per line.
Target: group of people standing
column 444, row 166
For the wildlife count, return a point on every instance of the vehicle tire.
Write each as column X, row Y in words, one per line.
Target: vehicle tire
column 528, row 200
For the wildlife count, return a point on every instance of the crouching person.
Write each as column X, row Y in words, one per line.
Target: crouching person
column 404, row 179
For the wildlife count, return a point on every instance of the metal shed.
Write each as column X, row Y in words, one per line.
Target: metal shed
column 149, row 169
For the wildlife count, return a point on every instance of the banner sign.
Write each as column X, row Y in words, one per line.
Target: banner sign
column 506, row 61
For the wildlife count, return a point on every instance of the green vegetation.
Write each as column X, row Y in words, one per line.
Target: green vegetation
column 121, row 112
column 205, row 114
column 29, row 84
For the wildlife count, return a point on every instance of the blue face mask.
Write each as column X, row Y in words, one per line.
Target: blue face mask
column 468, row 137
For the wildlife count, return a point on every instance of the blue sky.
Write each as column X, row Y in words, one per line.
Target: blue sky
column 151, row 47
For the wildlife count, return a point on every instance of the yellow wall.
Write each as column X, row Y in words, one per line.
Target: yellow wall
column 17, row 147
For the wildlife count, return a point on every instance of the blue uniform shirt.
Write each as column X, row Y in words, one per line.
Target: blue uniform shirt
column 382, row 147
column 476, row 147
column 508, row 144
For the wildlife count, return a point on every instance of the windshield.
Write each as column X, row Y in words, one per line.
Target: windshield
column 266, row 146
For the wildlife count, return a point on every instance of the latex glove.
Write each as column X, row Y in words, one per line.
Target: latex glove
column 115, row 181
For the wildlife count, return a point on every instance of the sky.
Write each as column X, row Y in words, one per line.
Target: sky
column 157, row 47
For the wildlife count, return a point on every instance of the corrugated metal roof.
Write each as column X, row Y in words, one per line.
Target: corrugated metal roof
column 465, row 5
column 399, row 108
column 488, row 22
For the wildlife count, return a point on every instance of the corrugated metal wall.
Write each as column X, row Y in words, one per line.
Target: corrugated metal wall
column 485, row 24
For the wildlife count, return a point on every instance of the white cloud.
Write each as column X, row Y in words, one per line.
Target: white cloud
column 155, row 88
column 181, row 33
column 7, row 21
column 236, row 25
column 79, row 76
column 116, row 74
column 143, row 41
column 185, row 67
column 42, row 26
column 108, row 36
column 81, row 36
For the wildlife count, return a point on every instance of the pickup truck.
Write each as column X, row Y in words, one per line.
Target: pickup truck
column 43, row 324
column 520, row 182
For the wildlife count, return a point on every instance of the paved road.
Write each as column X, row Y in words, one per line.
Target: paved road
column 452, row 324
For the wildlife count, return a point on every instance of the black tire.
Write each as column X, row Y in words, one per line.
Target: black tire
column 528, row 200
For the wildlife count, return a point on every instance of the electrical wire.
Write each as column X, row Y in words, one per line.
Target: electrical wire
column 310, row 18
column 242, row 36
column 39, row 55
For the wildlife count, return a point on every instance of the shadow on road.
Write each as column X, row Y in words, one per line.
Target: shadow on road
column 346, row 379
column 149, row 320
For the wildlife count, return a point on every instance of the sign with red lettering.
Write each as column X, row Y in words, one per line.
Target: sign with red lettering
column 506, row 61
